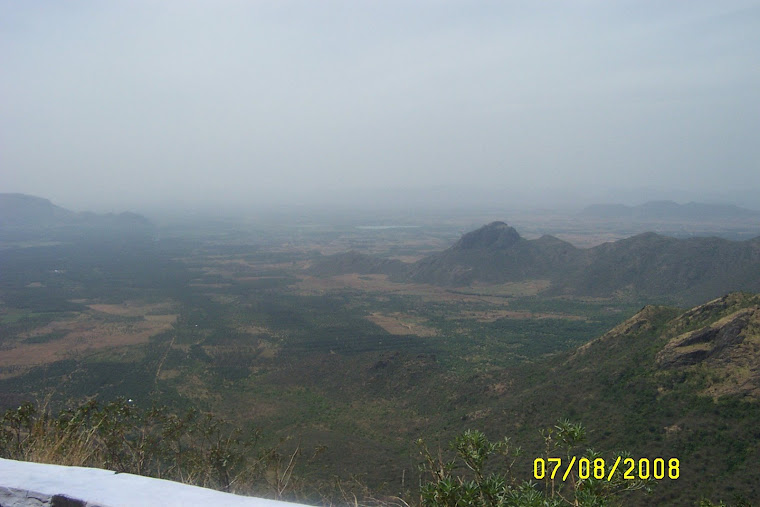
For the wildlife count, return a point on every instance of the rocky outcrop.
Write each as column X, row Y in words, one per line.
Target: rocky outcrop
column 711, row 341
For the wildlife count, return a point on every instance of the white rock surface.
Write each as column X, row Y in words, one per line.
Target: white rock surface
column 35, row 484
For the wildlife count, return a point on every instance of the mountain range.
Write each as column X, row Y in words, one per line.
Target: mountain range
column 25, row 217
column 28, row 210
column 646, row 265
column 669, row 211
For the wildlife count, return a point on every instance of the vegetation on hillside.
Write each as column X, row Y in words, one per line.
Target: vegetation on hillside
column 470, row 479
column 361, row 366
column 204, row 450
column 193, row 448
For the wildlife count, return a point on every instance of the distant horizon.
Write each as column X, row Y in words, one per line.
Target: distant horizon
column 409, row 200
column 233, row 105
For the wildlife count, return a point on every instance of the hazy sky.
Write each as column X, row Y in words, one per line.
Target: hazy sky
column 125, row 103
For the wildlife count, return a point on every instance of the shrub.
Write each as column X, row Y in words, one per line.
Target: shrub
column 470, row 479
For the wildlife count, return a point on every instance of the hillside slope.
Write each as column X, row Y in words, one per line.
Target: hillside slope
column 668, row 383
column 651, row 265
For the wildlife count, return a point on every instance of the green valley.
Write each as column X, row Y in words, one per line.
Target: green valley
column 351, row 358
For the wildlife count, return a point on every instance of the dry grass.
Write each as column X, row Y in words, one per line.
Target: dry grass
column 58, row 448
column 43, row 441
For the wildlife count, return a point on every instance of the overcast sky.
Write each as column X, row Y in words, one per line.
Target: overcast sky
column 123, row 104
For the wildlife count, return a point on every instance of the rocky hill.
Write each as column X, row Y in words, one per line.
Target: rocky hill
column 29, row 218
column 28, row 210
column 496, row 253
column 647, row 265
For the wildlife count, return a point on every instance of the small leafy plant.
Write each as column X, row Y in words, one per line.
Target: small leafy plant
column 472, row 478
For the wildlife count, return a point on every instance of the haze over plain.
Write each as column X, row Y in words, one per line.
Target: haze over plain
column 132, row 105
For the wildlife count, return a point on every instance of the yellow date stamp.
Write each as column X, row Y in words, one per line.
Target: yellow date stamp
column 585, row 468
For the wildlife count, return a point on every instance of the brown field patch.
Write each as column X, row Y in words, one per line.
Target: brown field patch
column 312, row 285
column 510, row 289
column 210, row 285
column 168, row 374
column 255, row 330
column 409, row 259
column 134, row 308
column 241, row 269
column 257, row 278
column 162, row 319
column 195, row 387
column 83, row 334
column 401, row 324
column 224, row 299
column 496, row 314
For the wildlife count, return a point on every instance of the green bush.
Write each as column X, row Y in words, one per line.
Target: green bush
column 470, row 478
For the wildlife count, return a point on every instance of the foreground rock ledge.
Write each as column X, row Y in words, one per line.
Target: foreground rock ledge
column 35, row 484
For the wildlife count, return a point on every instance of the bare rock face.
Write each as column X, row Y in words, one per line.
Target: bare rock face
column 726, row 350
column 710, row 341
column 716, row 345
